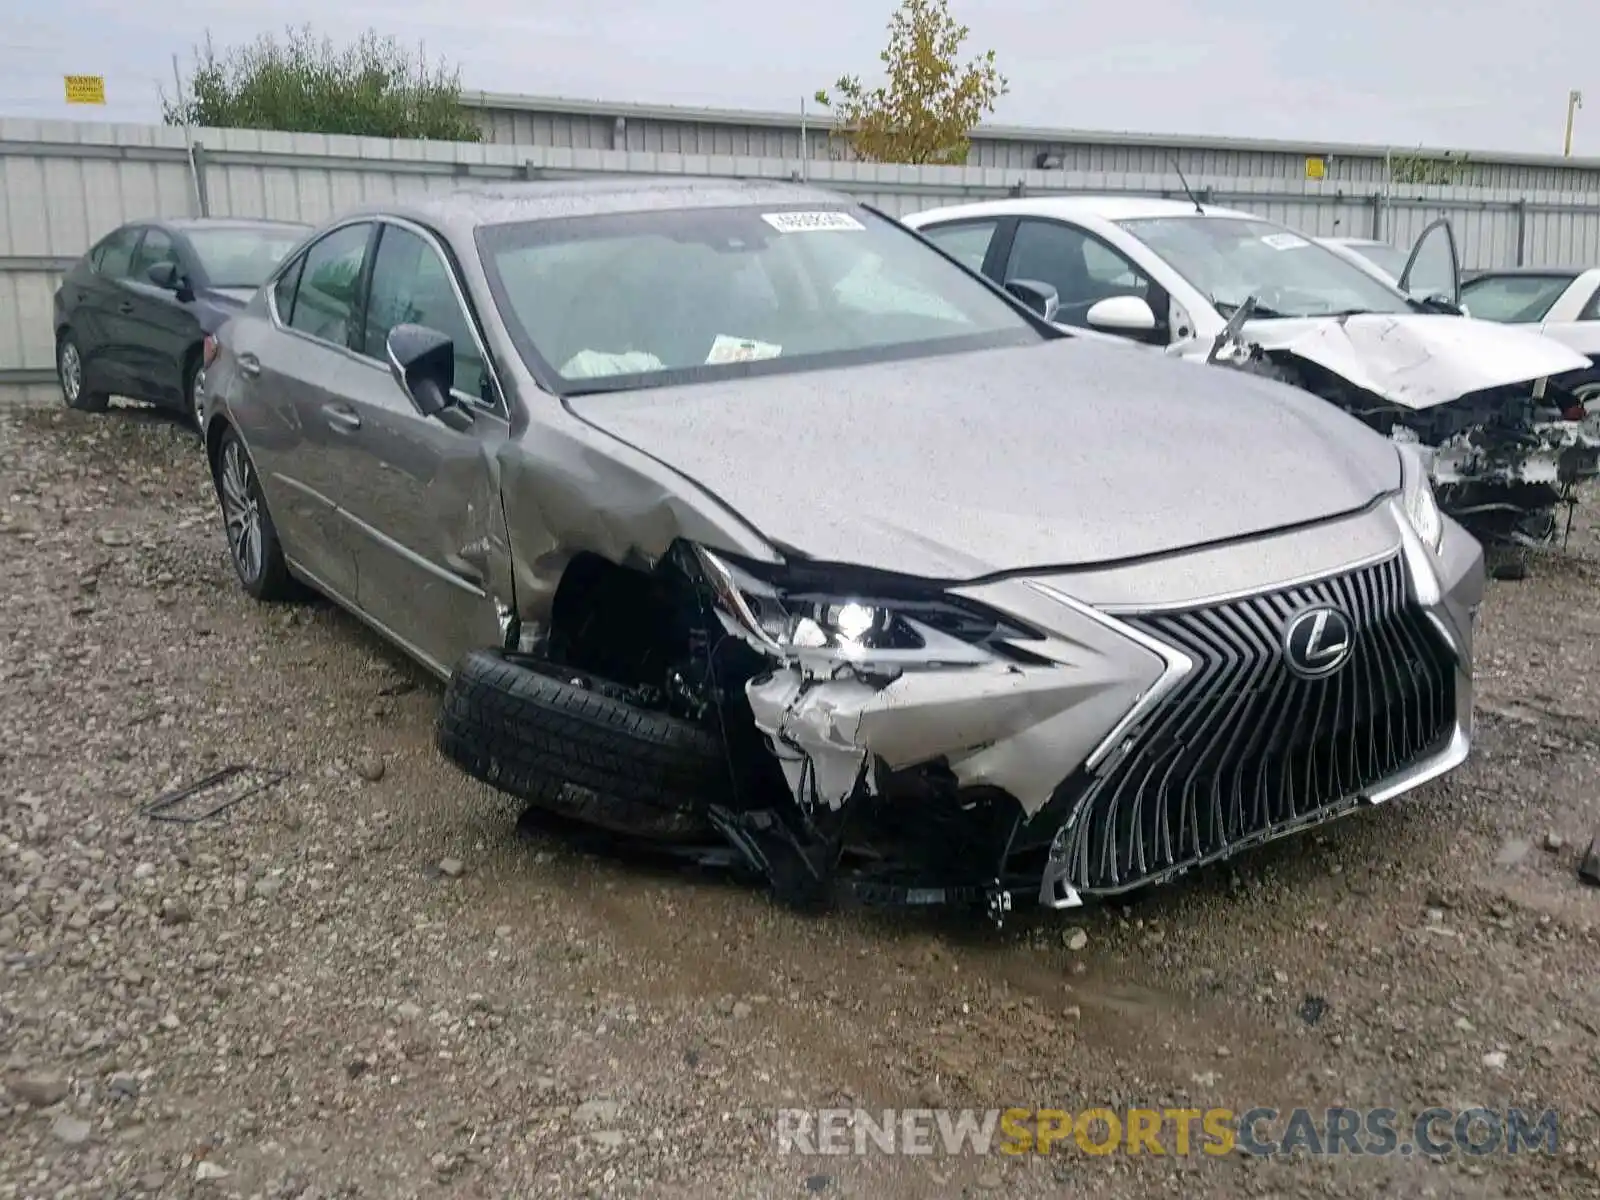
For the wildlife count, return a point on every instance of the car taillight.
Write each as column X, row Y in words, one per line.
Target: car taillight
column 208, row 353
column 1576, row 413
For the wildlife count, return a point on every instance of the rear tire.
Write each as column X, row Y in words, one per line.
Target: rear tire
column 252, row 537
column 569, row 745
column 74, row 379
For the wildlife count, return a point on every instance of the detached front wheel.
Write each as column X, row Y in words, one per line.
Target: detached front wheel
column 569, row 744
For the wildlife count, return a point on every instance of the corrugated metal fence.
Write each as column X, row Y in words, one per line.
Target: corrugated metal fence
column 64, row 184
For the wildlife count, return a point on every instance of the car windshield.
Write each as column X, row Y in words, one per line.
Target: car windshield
column 675, row 296
column 1387, row 258
column 243, row 256
column 1232, row 258
column 1513, row 298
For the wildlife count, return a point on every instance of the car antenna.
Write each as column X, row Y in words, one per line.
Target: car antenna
column 1187, row 190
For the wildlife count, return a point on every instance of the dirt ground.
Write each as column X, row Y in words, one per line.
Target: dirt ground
column 368, row 981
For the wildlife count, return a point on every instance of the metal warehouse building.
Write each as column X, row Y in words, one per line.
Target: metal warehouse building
column 598, row 125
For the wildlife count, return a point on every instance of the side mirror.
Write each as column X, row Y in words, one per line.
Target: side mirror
column 1122, row 314
column 1040, row 297
column 165, row 275
column 423, row 363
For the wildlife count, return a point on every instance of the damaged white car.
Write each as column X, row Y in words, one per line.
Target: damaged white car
column 739, row 518
column 1490, row 408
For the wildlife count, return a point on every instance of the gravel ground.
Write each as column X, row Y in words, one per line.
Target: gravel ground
column 366, row 980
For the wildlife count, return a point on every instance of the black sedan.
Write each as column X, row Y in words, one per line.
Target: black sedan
column 135, row 315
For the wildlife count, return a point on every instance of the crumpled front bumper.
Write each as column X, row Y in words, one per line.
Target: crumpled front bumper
column 1132, row 744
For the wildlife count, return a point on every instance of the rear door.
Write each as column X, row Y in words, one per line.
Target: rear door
column 421, row 497
column 98, row 322
column 294, row 371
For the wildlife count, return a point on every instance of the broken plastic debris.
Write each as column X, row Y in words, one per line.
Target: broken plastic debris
column 1589, row 867
column 247, row 781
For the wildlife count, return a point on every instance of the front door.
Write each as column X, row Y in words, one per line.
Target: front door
column 162, row 328
column 1084, row 271
column 1433, row 272
column 422, row 498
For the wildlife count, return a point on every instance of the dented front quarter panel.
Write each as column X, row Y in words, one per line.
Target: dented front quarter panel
column 569, row 489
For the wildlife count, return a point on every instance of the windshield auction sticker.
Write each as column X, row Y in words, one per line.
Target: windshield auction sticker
column 1284, row 241
column 813, row 222
column 736, row 350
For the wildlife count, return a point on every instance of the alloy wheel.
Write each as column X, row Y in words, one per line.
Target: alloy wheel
column 241, row 511
column 71, row 367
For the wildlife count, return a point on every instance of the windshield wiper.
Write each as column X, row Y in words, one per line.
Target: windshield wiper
column 1260, row 310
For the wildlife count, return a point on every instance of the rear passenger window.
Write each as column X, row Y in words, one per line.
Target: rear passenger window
column 325, row 300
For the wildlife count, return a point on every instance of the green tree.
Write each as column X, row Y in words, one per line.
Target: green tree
column 929, row 102
column 373, row 88
column 1445, row 169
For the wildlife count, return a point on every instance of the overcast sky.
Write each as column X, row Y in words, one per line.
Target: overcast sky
column 1466, row 74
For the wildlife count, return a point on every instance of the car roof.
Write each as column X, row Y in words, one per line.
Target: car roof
column 1353, row 241
column 1547, row 272
column 466, row 208
column 187, row 223
column 1104, row 208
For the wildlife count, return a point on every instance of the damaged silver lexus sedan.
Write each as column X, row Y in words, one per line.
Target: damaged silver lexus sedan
column 740, row 518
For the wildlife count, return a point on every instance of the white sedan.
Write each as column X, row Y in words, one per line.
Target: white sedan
column 1216, row 284
column 1561, row 303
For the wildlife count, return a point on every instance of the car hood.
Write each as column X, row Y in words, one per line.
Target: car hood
column 230, row 297
column 1417, row 360
column 962, row 465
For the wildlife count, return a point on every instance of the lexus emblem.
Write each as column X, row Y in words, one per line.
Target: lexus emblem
column 1318, row 641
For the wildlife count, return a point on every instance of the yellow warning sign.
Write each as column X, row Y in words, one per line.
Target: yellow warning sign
column 86, row 89
column 1316, row 167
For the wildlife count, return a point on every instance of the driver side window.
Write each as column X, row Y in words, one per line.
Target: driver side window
column 1082, row 269
column 411, row 285
column 156, row 248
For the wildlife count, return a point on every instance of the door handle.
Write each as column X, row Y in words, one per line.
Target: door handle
column 125, row 307
column 341, row 418
column 249, row 364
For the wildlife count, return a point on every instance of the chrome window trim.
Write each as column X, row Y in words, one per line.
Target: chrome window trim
column 498, row 409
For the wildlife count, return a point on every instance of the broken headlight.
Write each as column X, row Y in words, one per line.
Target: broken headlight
column 794, row 618
column 1416, row 497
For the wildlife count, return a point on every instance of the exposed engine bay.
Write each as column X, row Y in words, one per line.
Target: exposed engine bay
column 1505, row 460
